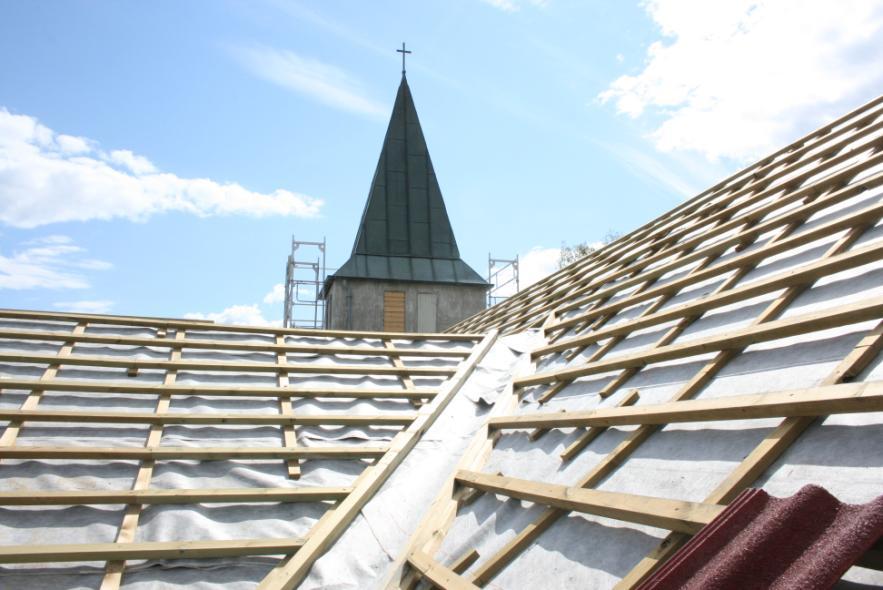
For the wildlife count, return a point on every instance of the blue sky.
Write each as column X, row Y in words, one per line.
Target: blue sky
column 155, row 158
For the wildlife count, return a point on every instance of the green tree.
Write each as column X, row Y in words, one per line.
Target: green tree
column 570, row 254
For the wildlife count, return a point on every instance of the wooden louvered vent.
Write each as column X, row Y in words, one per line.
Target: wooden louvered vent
column 394, row 311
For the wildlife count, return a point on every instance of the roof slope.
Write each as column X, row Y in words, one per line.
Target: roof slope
column 405, row 233
column 733, row 342
column 166, row 419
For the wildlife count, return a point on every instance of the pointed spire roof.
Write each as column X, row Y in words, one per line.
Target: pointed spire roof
column 405, row 233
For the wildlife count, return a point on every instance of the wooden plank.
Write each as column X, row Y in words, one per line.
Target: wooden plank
column 465, row 561
column 217, row 391
column 150, row 550
column 670, row 223
column 200, row 344
column 776, row 443
column 614, row 384
column 495, row 563
column 789, row 278
column 429, row 534
column 867, row 215
column 674, row 515
column 115, row 569
column 289, row 437
column 172, row 496
column 406, row 380
column 243, row 367
column 812, row 401
column 438, row 574
column 204, row 326
column 575, row 290
column 811, row 322
column 10, row 434
column 77, row 416
column 290, row 573
column 194, row 453
column 769, row 449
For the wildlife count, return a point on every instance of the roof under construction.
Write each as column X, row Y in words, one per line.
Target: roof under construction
column 405, row 233
column 579, row 434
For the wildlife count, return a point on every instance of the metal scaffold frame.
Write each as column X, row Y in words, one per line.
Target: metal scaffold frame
column 303, row 282
column 501, row 273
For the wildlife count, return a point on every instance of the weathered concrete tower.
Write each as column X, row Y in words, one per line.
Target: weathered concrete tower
column 405, row 272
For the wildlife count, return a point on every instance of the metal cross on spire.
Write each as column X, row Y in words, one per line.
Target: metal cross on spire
column 403, row 51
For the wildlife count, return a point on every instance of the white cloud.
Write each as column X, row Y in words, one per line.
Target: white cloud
column 249, row 315
column 100, row 306
column 46, row 177
column 136, row 164
column 318, row 80
column 276, row 294
column 537, row 264
column 514, row 5
column 739, row 78
column 51, row 262
column 650, row 167
column 72, row 145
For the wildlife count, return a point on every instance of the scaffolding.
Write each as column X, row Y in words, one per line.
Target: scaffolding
column 502, row 274
column 303, row 283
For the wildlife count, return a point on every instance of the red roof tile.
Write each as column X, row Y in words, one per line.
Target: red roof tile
column 806, row 541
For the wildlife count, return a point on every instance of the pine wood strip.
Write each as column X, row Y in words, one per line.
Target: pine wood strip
column 10, row 434
column 406, row 380
column 172, row 496
column 578, row 302
column 291, row 572
column 674, row 515
column 149, row 550
column 199, row 344
column 816, row 401
column 599, row 322
column 465, row 561
column 204, row 326
column 217, row 391
column 245, row 367
column 192, row 453
column 781, row 439
column 427, row 537
column 810, row 322
column 115, row 569
column 239, row 418
column 602, row 351
column 289, row 436
column 764, row 455
column 668, row 220
column 669, row 336
column 621, row 452
column 491, row 567
column 627, row 374
column 438, row 574
column 869, row 214
column 804, row 274
column 580, row 288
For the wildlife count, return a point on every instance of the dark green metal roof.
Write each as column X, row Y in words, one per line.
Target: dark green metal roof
column 405, row 233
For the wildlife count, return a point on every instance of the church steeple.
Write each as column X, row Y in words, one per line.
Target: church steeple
column 405, row 233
